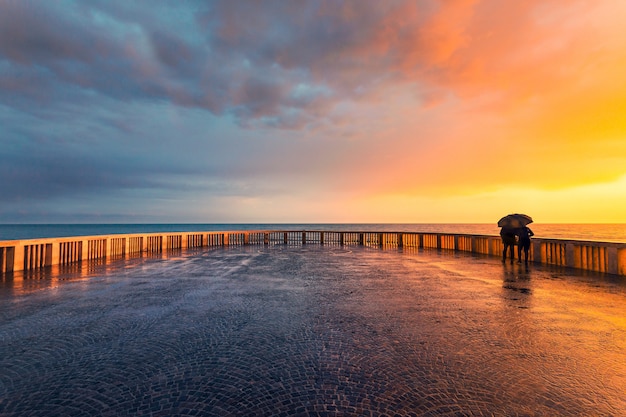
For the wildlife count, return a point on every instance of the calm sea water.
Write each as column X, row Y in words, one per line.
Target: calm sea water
column 593, row 232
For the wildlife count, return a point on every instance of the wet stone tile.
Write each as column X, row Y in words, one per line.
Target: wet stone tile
column 314, row 331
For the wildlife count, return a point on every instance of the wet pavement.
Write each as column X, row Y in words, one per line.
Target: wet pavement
column 313, row 331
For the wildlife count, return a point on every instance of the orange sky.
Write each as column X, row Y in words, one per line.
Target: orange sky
column 524, row 111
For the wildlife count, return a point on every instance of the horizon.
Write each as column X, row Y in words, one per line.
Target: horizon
column 357, row 112
column 298, row 223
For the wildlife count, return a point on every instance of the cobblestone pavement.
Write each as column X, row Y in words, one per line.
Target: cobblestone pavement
column 313, row 331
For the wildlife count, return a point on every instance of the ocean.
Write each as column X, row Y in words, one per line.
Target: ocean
column 591, row 232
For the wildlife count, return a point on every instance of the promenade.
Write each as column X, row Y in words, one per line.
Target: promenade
column 312, row 330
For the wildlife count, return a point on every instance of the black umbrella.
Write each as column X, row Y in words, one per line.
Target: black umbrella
column 513, row 221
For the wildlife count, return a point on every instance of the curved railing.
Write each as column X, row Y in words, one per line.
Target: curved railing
column 34, row 254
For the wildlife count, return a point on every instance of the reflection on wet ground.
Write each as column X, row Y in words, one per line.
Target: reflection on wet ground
column 310, row 330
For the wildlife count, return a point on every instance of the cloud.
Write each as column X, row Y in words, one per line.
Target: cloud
column 254, row 62
column 249, row 61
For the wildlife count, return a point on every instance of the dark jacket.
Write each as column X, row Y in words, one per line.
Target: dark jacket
column 507, row 235
column 524, row 233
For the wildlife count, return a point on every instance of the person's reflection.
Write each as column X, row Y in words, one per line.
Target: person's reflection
column 516, row 285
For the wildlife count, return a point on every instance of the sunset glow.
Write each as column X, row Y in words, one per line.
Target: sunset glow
column 315, row 111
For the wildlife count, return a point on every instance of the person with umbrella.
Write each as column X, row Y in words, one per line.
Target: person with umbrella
column 511, row 225
column 523, row 233
column 508, row 239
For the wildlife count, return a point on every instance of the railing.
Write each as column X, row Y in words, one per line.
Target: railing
column 34, row 254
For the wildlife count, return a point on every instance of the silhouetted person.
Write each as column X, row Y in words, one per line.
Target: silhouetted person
column 508, row 238
column 524, row 234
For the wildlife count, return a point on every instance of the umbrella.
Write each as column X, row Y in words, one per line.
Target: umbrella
column 514, row 221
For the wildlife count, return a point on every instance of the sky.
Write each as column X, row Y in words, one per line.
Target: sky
column 273, row 111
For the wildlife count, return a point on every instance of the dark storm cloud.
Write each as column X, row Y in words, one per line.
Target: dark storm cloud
column 31, row 34
column 102, row 98
column 41, row 47
column 47, row 177
column 249, row 61
column 44, row 172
